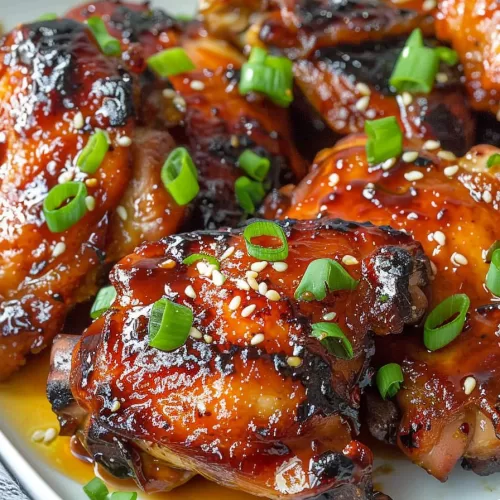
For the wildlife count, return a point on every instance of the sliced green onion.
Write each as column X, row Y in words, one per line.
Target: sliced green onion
column 195, row 257
column 109, row 45
column 333, row 339
column 180, row 177
column 269, row 75
column 493, row 160
column 389, row 379
column 491, row 251
column 320, row 274
column 123, row 495
column 438, row 330
column 169, row 325
column 493, row 276
column 50, row 16
column 385, row 139
column 96, row 489
column 60, row 217
column 416, row 39
column 266, row 228
column 171, row 62
column 184, row 17
column 248, row 193
column 103, row 300
column 92, row 155
column 447, row 55
column 257, row 167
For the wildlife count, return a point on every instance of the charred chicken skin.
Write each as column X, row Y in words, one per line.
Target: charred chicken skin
column 448, row 403
column 251, row 400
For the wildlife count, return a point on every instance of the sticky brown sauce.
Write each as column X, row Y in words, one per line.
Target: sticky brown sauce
column 24, row 407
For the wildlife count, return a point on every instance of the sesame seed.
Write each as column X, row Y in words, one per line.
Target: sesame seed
column 273, row 295
column 59, row 249
column 197, row 85
column 441, row 77
column 202, row 268
column 65, row 177
column 38, row 436
column 258, row 266
column 78, row 121
column 429, row 5
column 262, row 288
column 235, row 303
column 446, row 155
column 90, row 203
column 458, row 259
column 434, row 269
column 388, row 164
column 248, row 310
column 469, row 385
column 50, row 435
column 179, row 103
column 280, row 267
column 349, row 260
column 208, row 339
column 431, row 145
column 439, row 237
column 195, row 333
column 293, row 361
column 414, row 175
column 407, row 98
column 329, row 316
column 189, row 291
column 167, row 264
column 122, row 212
column 115, row 406
column 333, row 180
column 362, row 103
column 451, row 170
column 257, row 339
column 253, row 283
column 487, row 197
column 410, row 156
column 251, row 274
column 91, row 182
column 235, row 142
column 124, row 141
column 242, row 285
column 363, row 89
column 218, row 278
column 169, row 93
column 229, row 251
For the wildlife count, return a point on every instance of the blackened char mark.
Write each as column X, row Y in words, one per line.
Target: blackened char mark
column 488, row 130
column 118, row 101
column 482, row 467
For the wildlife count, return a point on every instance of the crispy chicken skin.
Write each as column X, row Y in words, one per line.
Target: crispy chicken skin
column 271, row 416
column 452, row 208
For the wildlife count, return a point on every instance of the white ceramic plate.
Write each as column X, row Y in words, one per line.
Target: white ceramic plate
column 41, row 468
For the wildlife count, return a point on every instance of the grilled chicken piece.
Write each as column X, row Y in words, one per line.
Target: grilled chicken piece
column 451, row 206
column 251, row 400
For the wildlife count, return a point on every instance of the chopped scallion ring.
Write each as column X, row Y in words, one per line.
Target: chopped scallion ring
column 123, row 495
column 385, row 139
column 257, row 167
column 60, row 217
column 109, row 45
column 491, row 251
column 493, row 160
column 47, row 17
column 103, row 300
column 266, row 228
column 269, row 75
column 195, row 257
column 493, row 276
column 169, row 325
column 171, row 62
column 248, row 193
column 439, row 331
column 92, row 155
column 416, row 39
column 180, row 177
column 389, row 379
column 333, row 339
column 447, row 55
column 96, row 489
column 320, row 274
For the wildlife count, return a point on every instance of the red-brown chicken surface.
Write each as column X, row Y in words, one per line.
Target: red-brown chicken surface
column 452, row 207
column 251, row 400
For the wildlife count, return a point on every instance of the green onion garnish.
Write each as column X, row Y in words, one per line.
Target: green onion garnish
column 257, row 167
column 195, row 257
column 50, row 16
column 389, row 379
column 123, row 495
column 491, row 251
column 96, row 489
column 447, row 55
column 248, row 193
column 103, row 300
column 169, row 325
column 171, row 62
column 180, row 177
column 493, row 275
column 416, row 67
column 493, row 160
column 60, row 216
column 320, row 274
column 439, row 331
column 267, row 228
column 269, row 75
column 333, row 339
column 92, row 155
column 109, row 45
column 385, row 139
